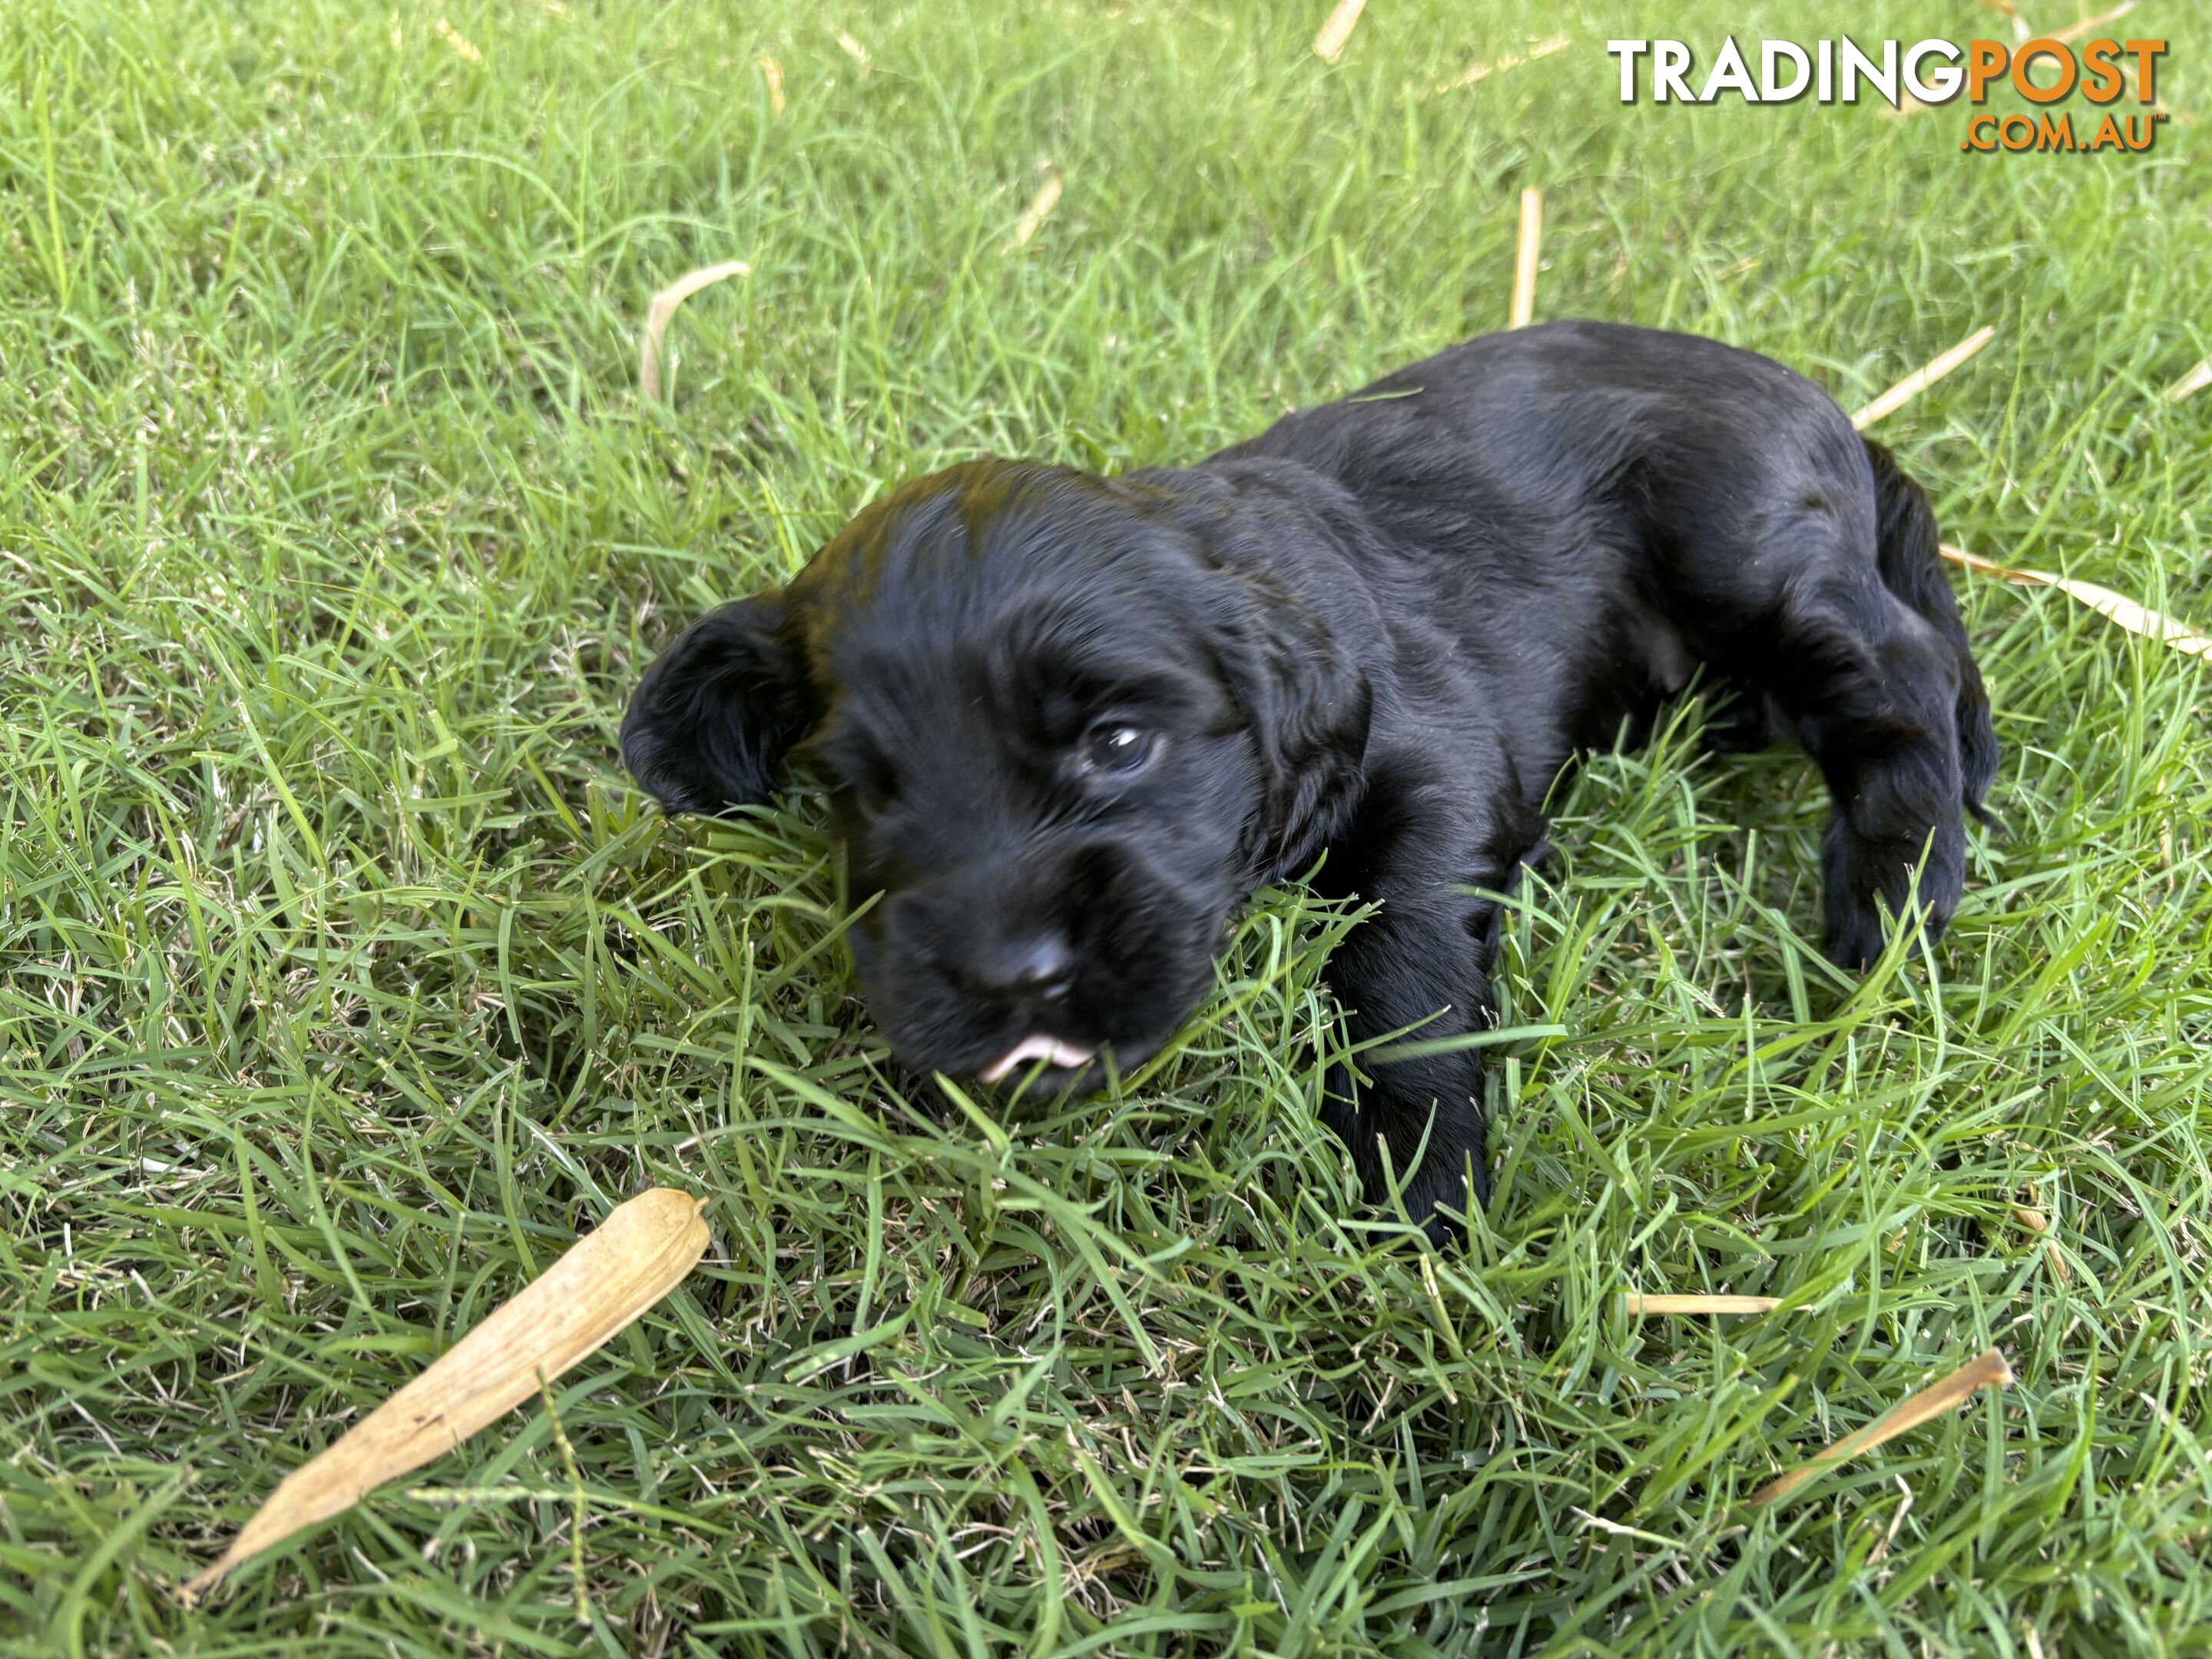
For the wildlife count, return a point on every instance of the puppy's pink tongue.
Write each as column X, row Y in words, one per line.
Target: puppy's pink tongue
column 1037, row 1047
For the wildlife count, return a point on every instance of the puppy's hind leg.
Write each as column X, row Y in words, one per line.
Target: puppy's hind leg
column 1826, row 595
column 1873, row 690
column 1909, row 557
column 1891, row 703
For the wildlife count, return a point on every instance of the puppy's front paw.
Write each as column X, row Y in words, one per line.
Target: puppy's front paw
column 1739, row 721
column 1854, row 937
column 1442, row 1184
column 1866, row 878
column 1445, row 1131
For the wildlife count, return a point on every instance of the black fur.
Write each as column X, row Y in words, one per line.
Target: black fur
column 1377, row 631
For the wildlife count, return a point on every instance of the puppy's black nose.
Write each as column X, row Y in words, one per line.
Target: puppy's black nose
column 1038, row 969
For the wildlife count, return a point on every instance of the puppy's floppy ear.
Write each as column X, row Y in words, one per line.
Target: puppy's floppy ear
column 1309, row 708
column 716, row 713
column 1297, row 638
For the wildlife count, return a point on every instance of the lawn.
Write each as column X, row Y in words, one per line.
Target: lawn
column 346, row 978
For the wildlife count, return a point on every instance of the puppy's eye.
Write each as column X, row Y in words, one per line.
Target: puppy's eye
column 1116, row 749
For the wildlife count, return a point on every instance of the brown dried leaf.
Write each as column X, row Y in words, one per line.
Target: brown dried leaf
column 662, row 311
column 1984, row 1371
column 603, row 1282
column 2033, row 1220
column 1921, row 378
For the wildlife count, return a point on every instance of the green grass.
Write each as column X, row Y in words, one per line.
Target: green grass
column 345, row 980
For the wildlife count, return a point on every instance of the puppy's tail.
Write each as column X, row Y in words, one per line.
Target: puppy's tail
column 1912, row 568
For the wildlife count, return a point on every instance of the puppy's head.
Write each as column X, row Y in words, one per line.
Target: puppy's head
column 1067, row 723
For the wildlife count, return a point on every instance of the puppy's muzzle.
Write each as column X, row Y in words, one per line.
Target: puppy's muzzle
column 1030, row 978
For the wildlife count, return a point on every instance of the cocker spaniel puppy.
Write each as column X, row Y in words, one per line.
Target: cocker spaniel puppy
column 1069, row 722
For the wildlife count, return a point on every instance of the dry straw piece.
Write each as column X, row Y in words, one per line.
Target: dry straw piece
column 2030, row 1219
column 662, row 311
column 1921, row 378
column 1984, row 1371
column 460, row 45
column 1635, row 1302
column 2006, row 9
column 1329, row 43
column 603, row 1282
column 1524, row 259
column 1481, row 71
column 2192, row 383
column 772, row 72
column 1039, row 210
column 2117, row 607
column 2088, row 26
column 1908, row 105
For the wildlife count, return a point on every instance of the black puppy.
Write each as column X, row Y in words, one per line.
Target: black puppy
column 1069, row 722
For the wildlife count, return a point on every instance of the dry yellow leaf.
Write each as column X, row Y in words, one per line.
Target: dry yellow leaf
column 1328, row 44
column 772, row 72
column 1635, row 1302
column 2117, row 607
column 603, row 1282
column 1524, row 259
column 1921, row 378
column 1984, row 1371
column 662, row 311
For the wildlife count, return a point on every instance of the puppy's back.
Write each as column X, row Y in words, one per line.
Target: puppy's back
column 1573, row 406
